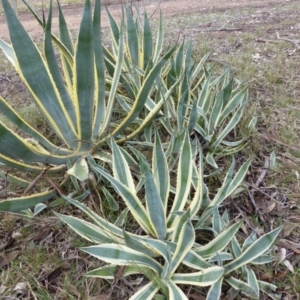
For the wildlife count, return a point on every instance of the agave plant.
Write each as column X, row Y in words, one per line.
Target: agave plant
column 207, row 106
column 210, row 107
column 78, row 102
column 170, row 218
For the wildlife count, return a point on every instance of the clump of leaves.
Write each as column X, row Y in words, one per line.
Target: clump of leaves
column 78, row 102
column 169, row 225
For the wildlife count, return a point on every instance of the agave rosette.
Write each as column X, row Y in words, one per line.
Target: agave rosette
column 77, row 99
column 170, row 224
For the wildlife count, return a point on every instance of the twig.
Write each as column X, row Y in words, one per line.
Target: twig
column 220, row 29
column 243, row 214
column 297, row 46
column 257, row 209
column 222, row 63
column 267, row 41
column 256, row 185
column 263, row 173
column 158, row 5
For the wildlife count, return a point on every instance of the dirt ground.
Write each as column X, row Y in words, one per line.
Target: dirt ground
column 168, row 9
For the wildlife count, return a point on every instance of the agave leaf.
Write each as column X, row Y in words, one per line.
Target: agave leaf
column 231, row 124
column 102, row 223
column 175, row 292
column 21, row 203
column 14, row 117
column 249, row 240
column 110, row 199
column 89, row 231
column 84, row 75
column 113, row 89
column 193, row 260
column 199, row 68
column 147, row 292
column 159, row 41
column 252, row 281
column 184, row 244
column 26, row 167
column 219, row 242
column 100, row 71
column 147, row 42
column 258, row 248
column 237, row 100
column 122, row 255
column 268, row 288
column 229, row 187
column 79, row 169
column 143, row 93
column 203, row 278
column 242, row 286
column 55, row 72
column 8, row 51
column 120, row 168
column 161, row 172
column 184, row 178
column 66, row 51
column 132, row 38
column 215, row 290
column 154, row 203
column 138, row 245
column 131, row 200
column 30, row 65
column 14, row 179
column 263, row 260
column 108, row 271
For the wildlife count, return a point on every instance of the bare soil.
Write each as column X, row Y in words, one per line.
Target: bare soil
column 169, row 9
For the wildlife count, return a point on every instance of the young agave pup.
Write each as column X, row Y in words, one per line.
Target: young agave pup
column 170, row 252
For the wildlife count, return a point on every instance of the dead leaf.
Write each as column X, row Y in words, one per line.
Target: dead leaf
column 41, row 234
column 289, row 245
column 2, row 289
column 196, row 297
column 6, row 259
column 288, row 228
column 9, row 242
column 21, row 286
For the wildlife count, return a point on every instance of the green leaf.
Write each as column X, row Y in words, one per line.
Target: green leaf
column 184, row 244
column 79, row 169
column 88, row 230
column 184, row 178
column 147, row 292
column 84, row 76
column 108, row 271
column 37, row 78
column 175, row 292
column 219, row 242
column 215, row 290
column 161, row 171
column 22, row 203
column 203, row 278
column 242, row 286
column 229, row 187
column 129, row 197
column 122, row 255
column 258, row 248
column 121, row 169
column 110, row 199
column 154, row 205
column 100, row 71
